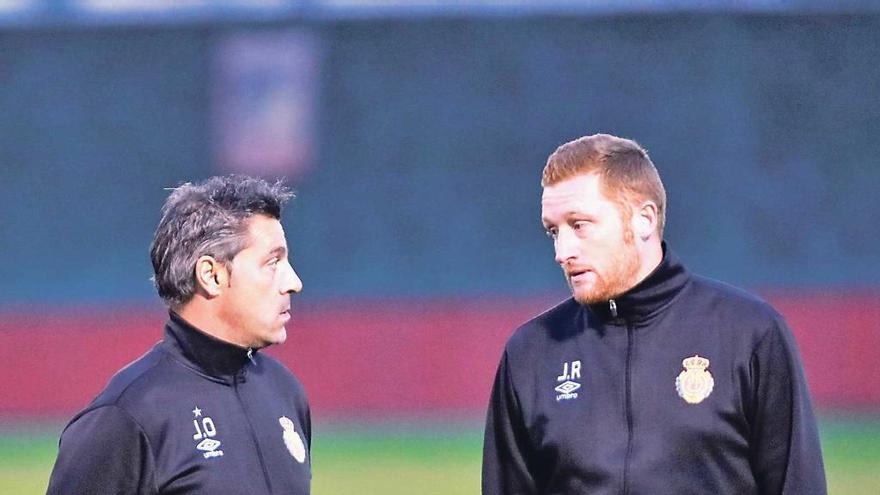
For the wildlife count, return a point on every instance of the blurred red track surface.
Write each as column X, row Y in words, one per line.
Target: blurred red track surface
column 378, row 358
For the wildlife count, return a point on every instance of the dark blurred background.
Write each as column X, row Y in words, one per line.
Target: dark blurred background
column 414, row 133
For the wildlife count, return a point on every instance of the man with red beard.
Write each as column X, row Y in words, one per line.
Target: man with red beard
column 649, row 380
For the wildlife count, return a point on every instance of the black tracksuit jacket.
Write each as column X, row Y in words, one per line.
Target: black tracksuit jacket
column 586, row 398
column 193, row 415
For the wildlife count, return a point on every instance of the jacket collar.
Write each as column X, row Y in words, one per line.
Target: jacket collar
column 648, row 297
column 206, row 354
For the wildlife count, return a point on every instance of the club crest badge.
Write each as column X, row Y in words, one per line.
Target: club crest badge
column 695, row 383
column 292, row 440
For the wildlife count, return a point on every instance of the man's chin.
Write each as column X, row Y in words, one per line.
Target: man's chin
column 280, row 336
column 275, row 338
column 593, row 296
column 586, row 300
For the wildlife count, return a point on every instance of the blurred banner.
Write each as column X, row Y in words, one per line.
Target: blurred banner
column 264, row 103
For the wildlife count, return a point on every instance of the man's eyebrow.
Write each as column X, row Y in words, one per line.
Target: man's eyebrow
column 565, row 214
column 278, row 251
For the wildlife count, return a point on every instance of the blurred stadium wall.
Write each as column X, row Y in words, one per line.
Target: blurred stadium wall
column 415, row 140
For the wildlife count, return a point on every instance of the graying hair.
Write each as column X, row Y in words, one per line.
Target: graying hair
column 207, row 219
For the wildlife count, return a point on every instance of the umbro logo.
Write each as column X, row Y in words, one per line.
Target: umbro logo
column 208, row 444
column 568, row 388
column 205, row 431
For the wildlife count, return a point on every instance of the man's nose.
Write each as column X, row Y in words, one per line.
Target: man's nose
column 565, row 246
column 292, row 282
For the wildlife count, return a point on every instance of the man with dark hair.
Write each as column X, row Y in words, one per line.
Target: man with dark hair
column 203, row 411
column 649, row 380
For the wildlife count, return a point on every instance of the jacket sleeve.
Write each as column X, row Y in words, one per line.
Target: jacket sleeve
column 506, row 446
column 785, row 454
column 103, row 451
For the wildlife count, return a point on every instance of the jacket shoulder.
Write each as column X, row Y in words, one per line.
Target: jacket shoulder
column 132, row 374
column 733, row 303
column 556, row 323
column 120, row 386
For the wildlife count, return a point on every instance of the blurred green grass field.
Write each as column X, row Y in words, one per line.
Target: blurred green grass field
column 430, row 459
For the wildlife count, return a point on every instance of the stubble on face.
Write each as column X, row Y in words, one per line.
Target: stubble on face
column 256, row 308
column 612, row 280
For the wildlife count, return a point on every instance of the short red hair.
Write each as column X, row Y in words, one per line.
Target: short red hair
column 627, row 173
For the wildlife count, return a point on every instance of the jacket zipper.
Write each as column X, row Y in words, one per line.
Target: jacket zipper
column 630, row 338
column 235, row 382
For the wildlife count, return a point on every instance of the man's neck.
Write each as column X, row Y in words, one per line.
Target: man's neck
column 197, row 314
column 650, row 257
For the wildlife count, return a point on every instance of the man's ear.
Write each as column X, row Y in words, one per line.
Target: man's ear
column 211, row 275
column 645, row 220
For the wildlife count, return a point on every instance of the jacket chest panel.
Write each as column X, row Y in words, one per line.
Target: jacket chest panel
column 632, row 390
column 222, row 439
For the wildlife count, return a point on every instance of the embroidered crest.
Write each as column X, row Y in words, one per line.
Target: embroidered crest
column 695, row 383
column 292, row 440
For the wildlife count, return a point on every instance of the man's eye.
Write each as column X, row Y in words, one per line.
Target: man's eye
column 551, row 233
column 274, row 261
